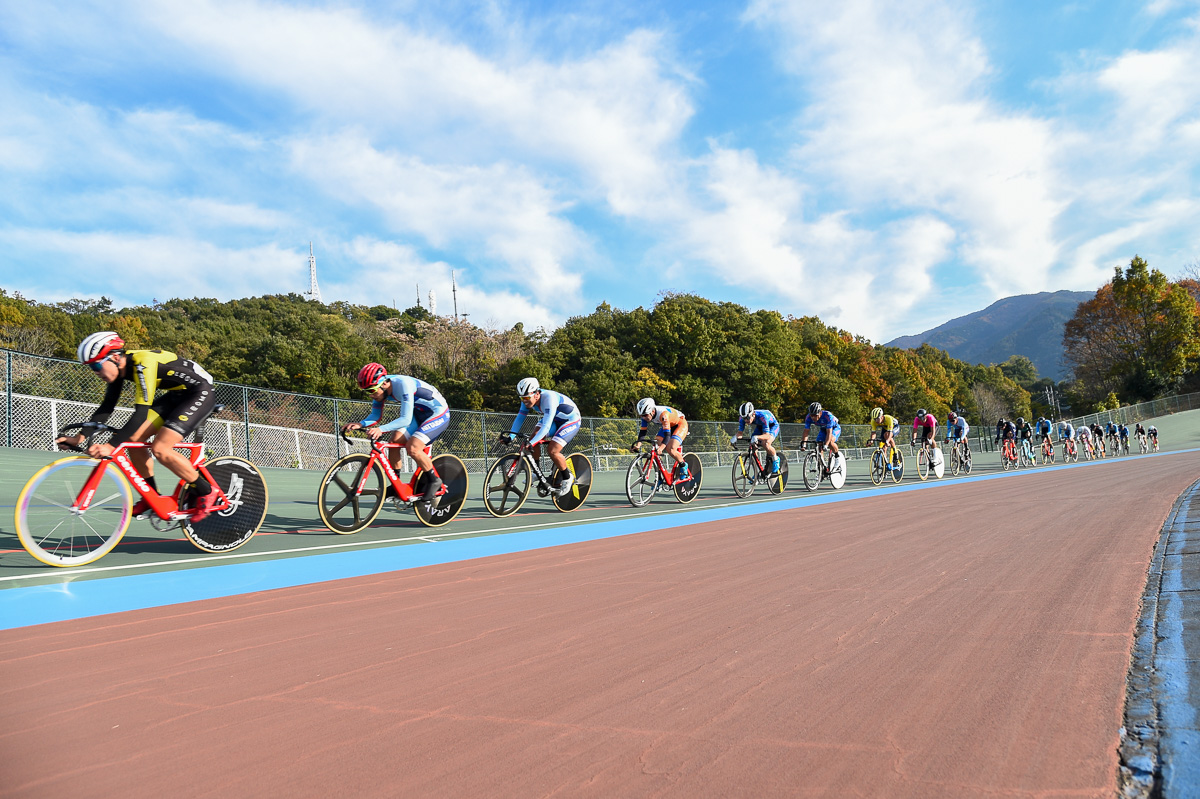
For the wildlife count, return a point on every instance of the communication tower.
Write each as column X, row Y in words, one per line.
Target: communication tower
column 314, row 291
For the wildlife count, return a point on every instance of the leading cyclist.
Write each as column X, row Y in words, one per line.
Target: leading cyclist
column 188, row 398
column 927, row 425
column 885, row 426
column 559, row 423
column 672, row 430
column 424, row 415
column 764, row 428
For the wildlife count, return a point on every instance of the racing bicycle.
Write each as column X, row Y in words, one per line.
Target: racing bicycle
column 1025, row 453
column 352, row 492
column 76, row 509
column 960, row 456
column 1070, row 451
column 752, row 468
column 1008, row 455
column 1047, row 451
column 820, row 464
column 647, row 476
column 512, row 476
column 1142, row 444
column 930, row 461
column 887, row 460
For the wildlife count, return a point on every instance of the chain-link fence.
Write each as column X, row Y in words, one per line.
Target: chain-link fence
column 299, row 431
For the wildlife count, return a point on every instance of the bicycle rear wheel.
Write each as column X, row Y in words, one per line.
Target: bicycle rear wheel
column 898, row 466
column 966, row 460
column 342, row 509
column 641, row 480
column 778, row 482
column 581, row 469
column 443, row 508
column 246, row 490
column 58, row 536
column 686, row 491
column 506, row 485
column 745, row 473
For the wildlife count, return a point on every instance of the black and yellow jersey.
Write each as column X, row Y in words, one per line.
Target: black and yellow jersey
column 188, row 393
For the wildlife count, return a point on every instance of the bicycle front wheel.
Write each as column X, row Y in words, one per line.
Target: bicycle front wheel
column 342, row 508
column 955, row 461
column 246, row 490
column 506, row 486
column 57, row 535
column 641, row 480
column 923, row 467
column 745, row 474
column 878, row 467
column 812, row 471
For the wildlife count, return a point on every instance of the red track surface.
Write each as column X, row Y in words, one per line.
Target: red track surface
column 967, row 641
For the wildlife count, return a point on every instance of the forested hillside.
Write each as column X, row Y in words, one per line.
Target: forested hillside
column 705, row 357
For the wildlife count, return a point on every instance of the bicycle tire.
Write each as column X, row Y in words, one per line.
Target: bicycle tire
column 878, row 467
column 510, row 478
column 685, row 492
column 441, row 510
column 923, row 467
column 641, row 480
column 745, row 475
column 343, row 510
column 955, row 460
column 967, row 464
column 52, row 533
column 898, row 471
column 778, row 483
column 246, row 490
column 581, row 469
column 812, row 471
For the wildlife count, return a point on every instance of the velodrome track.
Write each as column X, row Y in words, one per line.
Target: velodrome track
column 968, row 639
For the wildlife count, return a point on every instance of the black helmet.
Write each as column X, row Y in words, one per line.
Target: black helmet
column 922, row 412
column 1020, row 420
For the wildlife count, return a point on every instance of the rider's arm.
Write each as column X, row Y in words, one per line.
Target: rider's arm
column 548, row 405
column 112, row 395
column 407, row 400
column 520, row 420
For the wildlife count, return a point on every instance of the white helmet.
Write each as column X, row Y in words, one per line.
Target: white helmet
column 99, row 346
column 528, row 386
column 645, row 406
column 747, row 410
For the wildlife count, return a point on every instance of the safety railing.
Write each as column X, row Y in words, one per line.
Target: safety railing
column 282, row 429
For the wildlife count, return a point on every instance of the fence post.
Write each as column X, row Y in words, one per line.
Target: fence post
column 246, row 417
column 9, row 386
column 337, row 429
column 484, row 434
column 595, row 451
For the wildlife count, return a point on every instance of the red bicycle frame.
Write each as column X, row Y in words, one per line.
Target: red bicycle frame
column 405, row 491
column 1009, row 449
column 656, row 463
column 166, row 507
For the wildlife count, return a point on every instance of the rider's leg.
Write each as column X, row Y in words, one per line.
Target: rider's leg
column 164, row 450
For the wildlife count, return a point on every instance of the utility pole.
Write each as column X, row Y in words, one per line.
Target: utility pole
column 1052, row 401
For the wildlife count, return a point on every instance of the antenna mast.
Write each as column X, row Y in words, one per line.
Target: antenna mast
column 314, row 291
column 454, row 294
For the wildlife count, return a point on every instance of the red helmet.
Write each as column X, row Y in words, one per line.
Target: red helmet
column 370, row 375
column 98, row 346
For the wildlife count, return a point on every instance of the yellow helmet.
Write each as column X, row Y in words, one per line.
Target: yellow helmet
column 877, row 413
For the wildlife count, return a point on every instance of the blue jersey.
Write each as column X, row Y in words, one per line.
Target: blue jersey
column 958, row 428
column 417, row 400
column 764, row 422
column 555, row 409
column 825, row 420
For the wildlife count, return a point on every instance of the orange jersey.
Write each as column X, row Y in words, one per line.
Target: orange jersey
column 667, row 418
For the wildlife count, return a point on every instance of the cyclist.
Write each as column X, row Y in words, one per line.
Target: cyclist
column 672, row 430
column 885, row 426
column 927, row 425
column 1140, row 432
column 1152, row 431
column 559, row 424
column 1043, row 431
column 424, row 415
column 1085, row 437
column 188, row 398
column 1123, row 433
column 829, row 430
column 1112, row 436
column 1005, row 430
column 764, row 429
column 1025, row 437
column 1098, row 439
column 956, row 429
column 1066, row 433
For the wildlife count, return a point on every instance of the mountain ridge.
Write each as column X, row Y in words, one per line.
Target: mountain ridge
column 1024, row 324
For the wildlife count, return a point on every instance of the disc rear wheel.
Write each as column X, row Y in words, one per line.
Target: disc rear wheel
column 443, row 508
column 246, row 491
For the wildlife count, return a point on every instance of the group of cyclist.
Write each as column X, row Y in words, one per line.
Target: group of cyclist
column 1090, row 438
column 189, row 396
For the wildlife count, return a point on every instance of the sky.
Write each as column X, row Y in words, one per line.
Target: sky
column 884, row 166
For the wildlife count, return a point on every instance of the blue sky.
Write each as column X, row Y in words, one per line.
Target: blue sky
column 886, row 166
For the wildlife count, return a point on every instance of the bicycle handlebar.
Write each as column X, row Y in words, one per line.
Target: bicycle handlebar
column 95, row 428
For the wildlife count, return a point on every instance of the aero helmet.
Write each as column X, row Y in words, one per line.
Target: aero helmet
column 528, row 386
column 370, row 376
column 645, row 406
column 747, row 410
column 99, row 346
column 877, row 413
